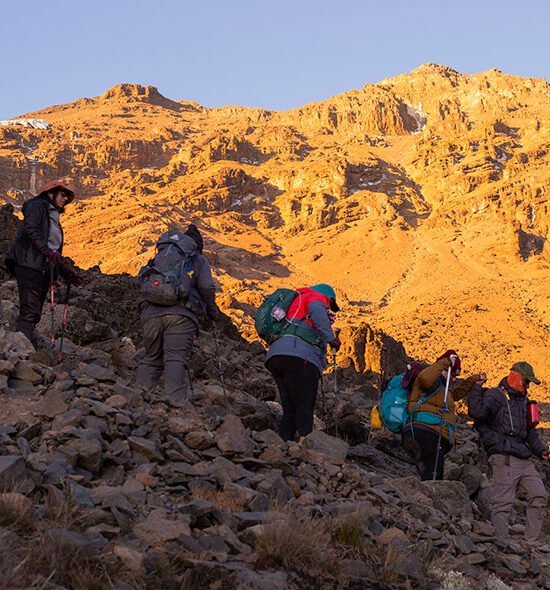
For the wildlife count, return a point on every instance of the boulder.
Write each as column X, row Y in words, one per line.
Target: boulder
column 156, row 529
column 469, row 475
column 51, row 405
column 231, row 437
column 148, row 448
column 334, row 449
column 89, row 453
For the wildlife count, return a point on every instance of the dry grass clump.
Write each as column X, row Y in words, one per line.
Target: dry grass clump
column 299, row 543
column 348, row 533
column 33, row 558
column 223, row 499
column 16, row 512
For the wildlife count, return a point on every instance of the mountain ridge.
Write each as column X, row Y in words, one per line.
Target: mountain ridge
column 423, row 193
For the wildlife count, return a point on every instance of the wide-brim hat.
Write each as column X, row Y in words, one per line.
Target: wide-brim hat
column 55, row 185
column 525, row 369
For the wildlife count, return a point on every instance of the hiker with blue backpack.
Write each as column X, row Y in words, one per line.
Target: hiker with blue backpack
column 177, row 292
column 429, row 432
column 297, row 325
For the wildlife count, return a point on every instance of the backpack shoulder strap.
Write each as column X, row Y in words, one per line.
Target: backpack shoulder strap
column 424, row 398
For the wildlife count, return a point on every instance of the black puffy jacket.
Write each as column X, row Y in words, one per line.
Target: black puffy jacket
column 500, row 415
column 31, row 242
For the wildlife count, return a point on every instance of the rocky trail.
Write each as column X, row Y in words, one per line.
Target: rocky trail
column 103, row 487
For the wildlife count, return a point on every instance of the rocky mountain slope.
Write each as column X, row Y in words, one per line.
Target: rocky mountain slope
column 423, row 199
column 103, row 487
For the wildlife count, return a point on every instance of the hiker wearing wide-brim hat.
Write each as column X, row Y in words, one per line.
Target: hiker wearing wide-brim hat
column 429, row 432
column 36, row 258
column 297, row 357
column 506, row 420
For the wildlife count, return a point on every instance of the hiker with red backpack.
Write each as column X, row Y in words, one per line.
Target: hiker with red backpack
column 506, row 420
column 177, row 293
column 297, row 355
column 428, row 434
column 36, row 257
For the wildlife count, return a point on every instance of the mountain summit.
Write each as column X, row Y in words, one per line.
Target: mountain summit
column 423, row 199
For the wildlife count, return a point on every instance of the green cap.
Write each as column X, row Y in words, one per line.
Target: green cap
column 329, row 292
column 525, row 369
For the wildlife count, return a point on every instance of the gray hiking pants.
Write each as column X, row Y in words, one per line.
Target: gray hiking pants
column 168, row 341
column 509, row 475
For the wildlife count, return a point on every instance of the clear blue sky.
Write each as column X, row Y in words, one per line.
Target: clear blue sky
column 274, row 54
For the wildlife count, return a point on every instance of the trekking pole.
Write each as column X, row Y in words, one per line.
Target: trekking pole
column 323, row 403
column 189, row 378
column 445, row 407
column 64, row 322
column 434, row 475
column 443, row 410
column 52, row 315
column 219, row 362
column 334, row 368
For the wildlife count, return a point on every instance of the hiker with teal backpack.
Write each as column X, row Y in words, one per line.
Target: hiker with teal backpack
column 297, row 325
column 429, row 432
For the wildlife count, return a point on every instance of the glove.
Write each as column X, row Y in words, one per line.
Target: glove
column 335, row 344
column 54, row 257
column 482, row 378
column 545, row 455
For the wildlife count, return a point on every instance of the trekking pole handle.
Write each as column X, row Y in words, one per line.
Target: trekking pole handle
column 445, row 407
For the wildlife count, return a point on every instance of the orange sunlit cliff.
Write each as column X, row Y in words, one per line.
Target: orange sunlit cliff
column 423, row 199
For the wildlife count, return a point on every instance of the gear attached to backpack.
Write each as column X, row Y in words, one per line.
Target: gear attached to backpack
column 272, row 322
column 168, row 278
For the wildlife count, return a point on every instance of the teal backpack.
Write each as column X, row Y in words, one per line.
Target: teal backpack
column 394, row 400
column 271, row 321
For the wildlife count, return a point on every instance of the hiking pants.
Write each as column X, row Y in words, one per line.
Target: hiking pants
column 297, row 381
column 168, row 342
column 33, row 288
column 422, row 444
column 510, row 474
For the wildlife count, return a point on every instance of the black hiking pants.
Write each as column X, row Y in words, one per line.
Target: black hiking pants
column 297, row 381
column 33, row 288
column 422, row 444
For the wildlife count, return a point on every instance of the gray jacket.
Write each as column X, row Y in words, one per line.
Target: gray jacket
column 202, row 300
column 295, row 346
column 500, row 416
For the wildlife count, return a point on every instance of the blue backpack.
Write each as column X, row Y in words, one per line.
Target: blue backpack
column 394, row 399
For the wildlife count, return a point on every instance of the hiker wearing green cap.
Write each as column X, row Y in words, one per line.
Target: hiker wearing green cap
column 505, row 419
column 297, row 358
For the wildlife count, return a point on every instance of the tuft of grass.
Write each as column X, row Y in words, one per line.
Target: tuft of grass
column 299, row 543
column 349, row 536
column 16, row 512
column 221, row 498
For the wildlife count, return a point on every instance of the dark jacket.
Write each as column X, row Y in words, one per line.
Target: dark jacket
column 202, row 300
column 31, row 244
column 500, row 415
